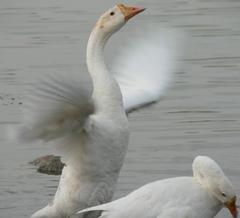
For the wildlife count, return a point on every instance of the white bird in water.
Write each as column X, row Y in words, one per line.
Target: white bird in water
column 87, row 121
column 200, row 196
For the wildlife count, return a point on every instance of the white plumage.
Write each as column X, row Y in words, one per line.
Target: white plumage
column 144, row 66
column 85, row 117
column 200, row 196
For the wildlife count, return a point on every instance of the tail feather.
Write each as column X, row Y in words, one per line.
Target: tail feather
column 102, row 207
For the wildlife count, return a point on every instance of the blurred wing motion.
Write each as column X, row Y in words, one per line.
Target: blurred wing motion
column 144, row 67
column 56, row 106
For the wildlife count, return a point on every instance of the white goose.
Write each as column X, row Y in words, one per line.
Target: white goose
column 91, row 127
column 200, row 196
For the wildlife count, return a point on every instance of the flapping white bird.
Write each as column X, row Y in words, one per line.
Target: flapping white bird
column 87, row 120
column 200, row 196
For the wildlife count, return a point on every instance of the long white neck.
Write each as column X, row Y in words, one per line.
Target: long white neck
column 106, row 92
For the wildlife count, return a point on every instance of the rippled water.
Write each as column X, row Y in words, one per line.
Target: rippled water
column 199, row 114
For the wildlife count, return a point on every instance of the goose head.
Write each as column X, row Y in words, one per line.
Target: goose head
column 113, row 19
column 210, row 176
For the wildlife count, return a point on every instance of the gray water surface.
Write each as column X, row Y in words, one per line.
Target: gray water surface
column 200, row 113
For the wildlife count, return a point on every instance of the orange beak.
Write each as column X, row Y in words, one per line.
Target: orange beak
column 129, row 12
column 231, row 205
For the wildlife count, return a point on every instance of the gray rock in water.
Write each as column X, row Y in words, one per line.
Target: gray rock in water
column 49, row 164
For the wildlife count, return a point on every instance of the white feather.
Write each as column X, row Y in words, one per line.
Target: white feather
column 145, row 66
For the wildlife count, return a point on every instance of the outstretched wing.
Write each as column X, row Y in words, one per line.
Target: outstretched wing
column 144, row 66
column 55, row 106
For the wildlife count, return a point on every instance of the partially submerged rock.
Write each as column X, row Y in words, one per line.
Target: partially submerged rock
column 49, row 164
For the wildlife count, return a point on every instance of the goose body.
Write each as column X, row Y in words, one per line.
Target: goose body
column 90, row 127
column 200, row 196
column 86, row 119
column 159, row 200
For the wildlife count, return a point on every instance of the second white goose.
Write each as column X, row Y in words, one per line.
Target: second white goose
column 200, row 196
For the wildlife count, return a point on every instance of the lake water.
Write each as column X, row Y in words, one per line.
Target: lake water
column 200, row 113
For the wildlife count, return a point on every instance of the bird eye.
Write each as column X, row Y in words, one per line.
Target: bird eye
column 112, row 13
column 223, row 194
